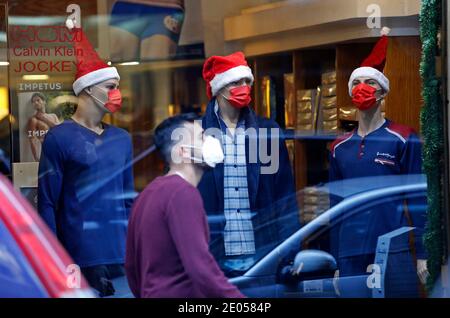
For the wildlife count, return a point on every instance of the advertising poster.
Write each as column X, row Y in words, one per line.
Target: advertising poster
column 38, row 112
column 151, row 30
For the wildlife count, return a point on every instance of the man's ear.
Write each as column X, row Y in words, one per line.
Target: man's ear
column 222, row 93
column 182, row 152
column 88, row 89
column 381, row 93
column 176, row 154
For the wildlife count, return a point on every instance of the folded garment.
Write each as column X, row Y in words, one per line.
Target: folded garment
column 347, row 113
column 308, row 218
column 304, row 106
column 317, row 200
column 304, row 118
column 305, row 128
column 329, row 78
column 311, row 191
column 330, row 114
column 305, row 94
column 330, row 125
column 328, row 102
column 329, row 90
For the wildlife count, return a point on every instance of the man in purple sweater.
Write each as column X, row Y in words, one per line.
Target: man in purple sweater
column 167, row 252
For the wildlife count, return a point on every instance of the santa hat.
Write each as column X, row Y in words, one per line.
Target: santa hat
column 373, row 65
column 219, row 71
column 91, row 69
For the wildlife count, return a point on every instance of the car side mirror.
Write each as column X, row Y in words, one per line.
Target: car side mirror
column 309, row 264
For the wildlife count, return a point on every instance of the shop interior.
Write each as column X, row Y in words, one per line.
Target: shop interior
column 301, row 53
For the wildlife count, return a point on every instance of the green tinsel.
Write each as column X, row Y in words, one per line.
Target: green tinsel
column 433, row 133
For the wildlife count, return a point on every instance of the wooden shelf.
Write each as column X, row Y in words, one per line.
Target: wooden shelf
column 402, row 104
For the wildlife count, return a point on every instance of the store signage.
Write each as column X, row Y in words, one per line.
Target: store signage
column 38, row 49
column 43, row 61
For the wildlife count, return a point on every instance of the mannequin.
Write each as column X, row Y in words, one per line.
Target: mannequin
column 378, row 147
column 241, row 191
column 86, row 183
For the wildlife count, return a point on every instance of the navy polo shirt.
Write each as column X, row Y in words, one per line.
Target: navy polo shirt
column 392, row 149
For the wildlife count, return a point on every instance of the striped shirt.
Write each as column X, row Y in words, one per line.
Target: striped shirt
column 239, row 236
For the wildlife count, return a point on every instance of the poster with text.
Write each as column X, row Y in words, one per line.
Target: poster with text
column 38, row 112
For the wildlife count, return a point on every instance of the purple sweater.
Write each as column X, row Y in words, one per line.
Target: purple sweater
column 167, row 253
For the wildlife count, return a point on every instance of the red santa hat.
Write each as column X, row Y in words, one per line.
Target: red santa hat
column 91, row 69
column 219, row 71
column 373, row 65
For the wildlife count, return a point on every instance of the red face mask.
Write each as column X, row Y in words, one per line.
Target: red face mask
column 240, row 96
column 364, row 96
column 114, row 102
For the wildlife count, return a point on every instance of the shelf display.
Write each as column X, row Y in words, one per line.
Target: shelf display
column 329, row 78
column 269, row 98
column 289, row 101
column 316, row 106
column 328, row 111
column 329, row 90
column 313, row 203
column 306, row 110
column 290, row 145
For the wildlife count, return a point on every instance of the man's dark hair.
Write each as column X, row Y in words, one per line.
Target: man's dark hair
column 40, row 95
column 163, row 133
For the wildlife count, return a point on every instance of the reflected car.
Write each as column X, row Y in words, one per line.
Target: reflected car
column 33, row 264
column 359, row 248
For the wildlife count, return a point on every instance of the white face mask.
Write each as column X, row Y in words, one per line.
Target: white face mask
column 212, row 152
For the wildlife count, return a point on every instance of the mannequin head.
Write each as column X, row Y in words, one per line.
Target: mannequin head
column 92, row 99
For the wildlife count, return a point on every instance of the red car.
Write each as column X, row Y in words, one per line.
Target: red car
column 33, row 264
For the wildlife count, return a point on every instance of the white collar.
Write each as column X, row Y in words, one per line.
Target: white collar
column 180, row 175
column 216, row 107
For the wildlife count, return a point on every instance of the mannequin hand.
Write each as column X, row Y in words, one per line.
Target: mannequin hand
column 422, row 270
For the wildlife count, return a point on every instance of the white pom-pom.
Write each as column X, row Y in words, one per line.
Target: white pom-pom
column 385, row 31
column 70, row 24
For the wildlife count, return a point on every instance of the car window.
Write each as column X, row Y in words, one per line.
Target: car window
column 17, row 278
column 352, row 235
column 360, row 248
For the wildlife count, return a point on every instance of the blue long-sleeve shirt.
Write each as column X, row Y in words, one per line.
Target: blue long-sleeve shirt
column 85, row 191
